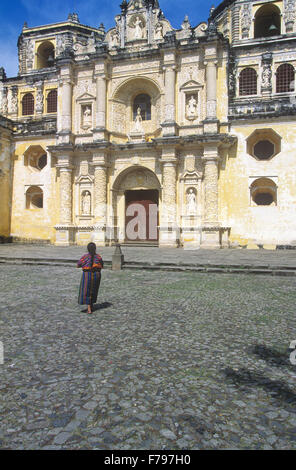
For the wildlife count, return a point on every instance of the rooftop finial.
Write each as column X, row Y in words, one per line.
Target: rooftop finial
column 73, row 17
column 212, row 9
column 123, row 6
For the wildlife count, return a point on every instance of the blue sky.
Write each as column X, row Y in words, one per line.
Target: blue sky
column 13, row 14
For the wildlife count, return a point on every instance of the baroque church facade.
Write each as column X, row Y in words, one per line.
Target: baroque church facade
column 150, row 134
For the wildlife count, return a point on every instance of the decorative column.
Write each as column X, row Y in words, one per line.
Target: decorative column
column 66, row 106
column 65, row 229
column 168, row 231
column 289, row 15
column 211, row 227
column 66, row 195
column 100, row 129
column 65, row 92
column 169, row 124
column 39, row 99
column 100, row 199
column 235, row 22
column 266, row 86
column 13, row 102
column 210, row 62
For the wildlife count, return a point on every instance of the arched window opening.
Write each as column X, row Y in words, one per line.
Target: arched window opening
column 34, row 198
column 248, row 82
column 52, row 101
column 45, row 55
column 142, row 101
column 267, row 22
column 263, row 192
column 285, row 78
column 264, row 149
column 28, row 104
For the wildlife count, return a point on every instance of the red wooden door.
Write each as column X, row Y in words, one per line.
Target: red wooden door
column 141, row 219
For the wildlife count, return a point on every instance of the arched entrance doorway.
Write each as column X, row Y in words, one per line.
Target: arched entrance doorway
column 136, row 195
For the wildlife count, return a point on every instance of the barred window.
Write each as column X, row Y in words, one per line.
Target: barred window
column 248, row 82
column 52, row 101
column 142, row 101
column 28, row 105
column 285, row 78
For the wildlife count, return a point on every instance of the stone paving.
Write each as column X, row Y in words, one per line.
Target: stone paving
column 167, row 361
column 157, row 255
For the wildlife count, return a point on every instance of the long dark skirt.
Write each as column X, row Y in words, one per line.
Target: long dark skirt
column 89, row 287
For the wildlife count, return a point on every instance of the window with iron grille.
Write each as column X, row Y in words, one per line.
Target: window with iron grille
column 285, row 78
column 52, row 101
column 248, row 82
column 144, row 102
column 28, row 105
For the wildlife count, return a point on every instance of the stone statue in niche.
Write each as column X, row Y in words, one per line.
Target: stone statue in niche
column 114, row 39
column 191, row 107
column 86, row 203
column 138, row 28
column 138, row 126
column 158, row 31
column 266, row 76
column 191, row 202
column 87, row 117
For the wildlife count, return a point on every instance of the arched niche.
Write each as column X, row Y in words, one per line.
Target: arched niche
column 267, row 21
column 45, row 55
column 122, row 105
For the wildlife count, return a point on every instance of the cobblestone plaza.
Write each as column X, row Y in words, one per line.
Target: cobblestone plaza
column 169, row 360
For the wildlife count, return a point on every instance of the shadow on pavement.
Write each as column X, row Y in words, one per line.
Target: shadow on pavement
column 271, row 355
column 245, row 378
column 101, row 306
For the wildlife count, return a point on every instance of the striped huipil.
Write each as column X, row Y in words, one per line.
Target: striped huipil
column 90, row 280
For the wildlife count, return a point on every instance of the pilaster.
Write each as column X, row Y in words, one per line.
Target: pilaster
column 100, row 199
column 170, row 68
column 210, row 62
column 168, row 231
column 211, row 227
column 100, row 133
column 65, row 230
column 65, row 92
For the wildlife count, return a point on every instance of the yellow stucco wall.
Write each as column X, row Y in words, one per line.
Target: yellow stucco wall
column 34, row 223
column 259, row 224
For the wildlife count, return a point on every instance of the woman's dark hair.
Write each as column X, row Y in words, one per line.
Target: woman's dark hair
column 91, row 247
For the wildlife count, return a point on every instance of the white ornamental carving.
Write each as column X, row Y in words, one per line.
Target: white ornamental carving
column 191, row 108
column 191, row 202
column 86, row 203
column 246, row 20
column 158, row 34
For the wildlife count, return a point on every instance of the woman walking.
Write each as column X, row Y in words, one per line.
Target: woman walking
column 91, row 264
